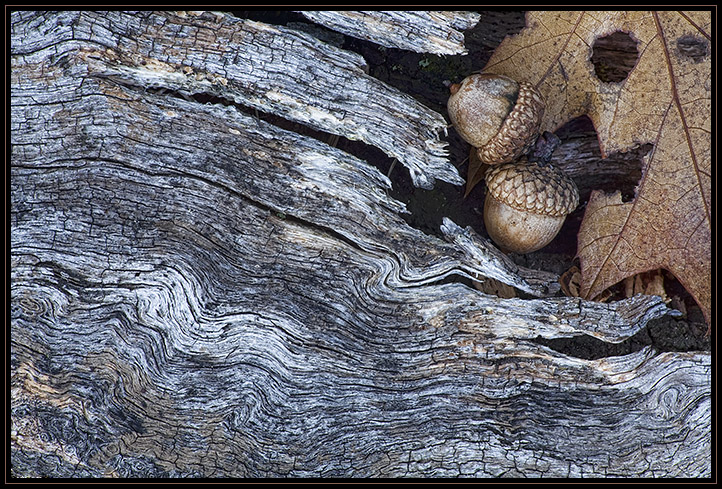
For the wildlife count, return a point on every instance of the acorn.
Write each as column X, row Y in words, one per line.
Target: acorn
column 526, row 204
column 496, row 115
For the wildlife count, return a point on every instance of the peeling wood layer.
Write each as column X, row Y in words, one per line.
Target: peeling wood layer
column 423, row 32
column 268, row 68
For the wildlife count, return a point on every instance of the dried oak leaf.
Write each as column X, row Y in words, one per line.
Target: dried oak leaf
column 475, row 173
column 665, row 100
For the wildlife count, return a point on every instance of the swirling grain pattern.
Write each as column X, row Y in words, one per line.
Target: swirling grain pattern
column 195, row 292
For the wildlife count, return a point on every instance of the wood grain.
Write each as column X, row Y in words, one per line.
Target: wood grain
column 196, row 292
column 432, row 32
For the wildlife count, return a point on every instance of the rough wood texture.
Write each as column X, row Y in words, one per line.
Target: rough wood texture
column 196, row 292
column 422, row 32
column 271, row 69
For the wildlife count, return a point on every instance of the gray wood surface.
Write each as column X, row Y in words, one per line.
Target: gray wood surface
column 197, row 292
column 432, row 32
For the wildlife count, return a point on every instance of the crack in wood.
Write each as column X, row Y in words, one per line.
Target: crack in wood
column 197, row 292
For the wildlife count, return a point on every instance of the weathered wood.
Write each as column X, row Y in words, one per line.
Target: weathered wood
column 422, row 32
column 196, row 292
column 580, row 158
column 271, row 69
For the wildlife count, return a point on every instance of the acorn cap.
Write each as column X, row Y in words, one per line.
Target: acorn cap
column 519, row 130
column 533, row 188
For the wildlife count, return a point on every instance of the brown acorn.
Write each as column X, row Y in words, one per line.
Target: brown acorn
column 496, row 115
column 526, row 204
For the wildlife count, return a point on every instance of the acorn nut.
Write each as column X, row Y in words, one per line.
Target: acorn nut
column 526, row 204
column 496, row 115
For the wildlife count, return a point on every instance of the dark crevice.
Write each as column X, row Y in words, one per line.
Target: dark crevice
column 487, row 285
column 274, row 17
column 590, row 348
column 359, row 149
column 664, row 334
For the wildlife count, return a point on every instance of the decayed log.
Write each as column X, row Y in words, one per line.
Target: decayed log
column 422, row 32
column 197, row 292
column 273, row 69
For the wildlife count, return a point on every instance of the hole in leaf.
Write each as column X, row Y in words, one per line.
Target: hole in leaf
column 614, row 56
column 693, row 47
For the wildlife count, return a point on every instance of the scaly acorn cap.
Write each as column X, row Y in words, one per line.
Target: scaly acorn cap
column 526, row 205
column 533, row 188
column 519, row 130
